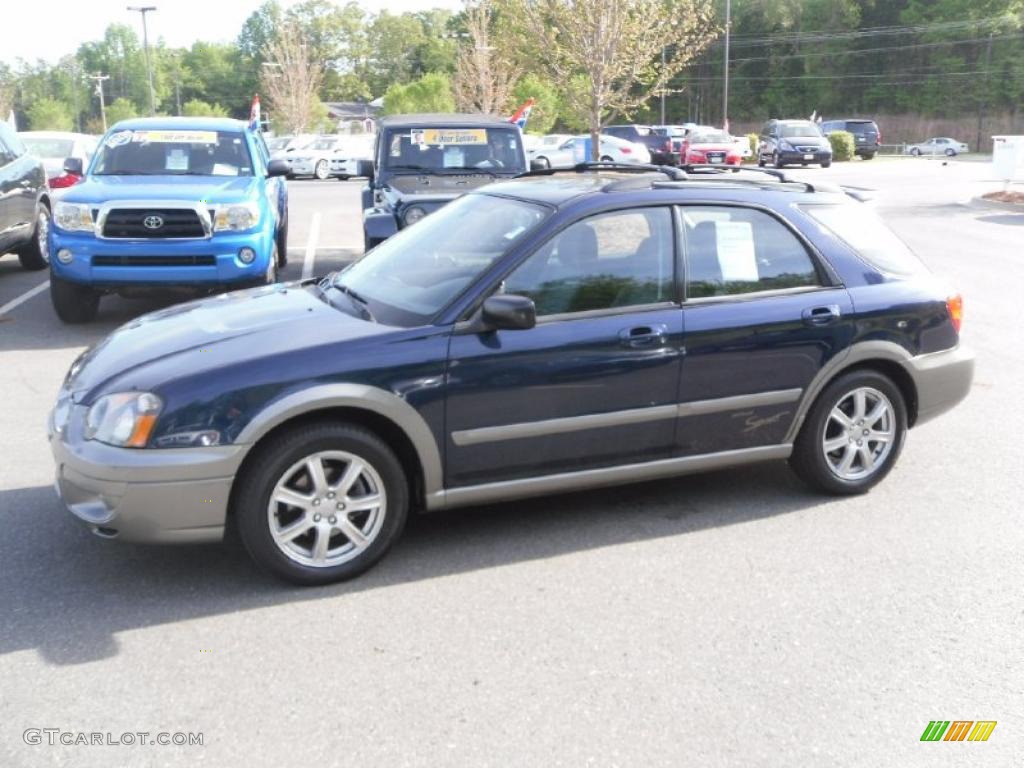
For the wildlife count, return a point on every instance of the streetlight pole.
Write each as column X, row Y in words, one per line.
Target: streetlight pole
column 99, row 78
column 725, row 83
column 144, row 9
column 663, row 89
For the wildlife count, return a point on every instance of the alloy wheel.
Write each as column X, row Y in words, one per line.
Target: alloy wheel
column 43, row 234
column 859, row 434
column 327, row 509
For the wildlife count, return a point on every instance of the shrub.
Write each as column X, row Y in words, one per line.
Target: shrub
column 753, row 139
column 843, row 145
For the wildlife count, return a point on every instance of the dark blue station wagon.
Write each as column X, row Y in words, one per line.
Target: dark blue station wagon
column 546, row 334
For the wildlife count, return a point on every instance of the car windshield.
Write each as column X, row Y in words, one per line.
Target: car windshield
column 413, row 275
column 49, row 149
column 324, row 144
column 435, row 149
column 275, row 144
column 711, row 137
column 183, row 152
column 794, row 130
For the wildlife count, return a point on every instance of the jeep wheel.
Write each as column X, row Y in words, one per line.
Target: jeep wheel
column 73, row 303
column 36, row 253
column 321, row 171
column 852, row 435
column 321, row 503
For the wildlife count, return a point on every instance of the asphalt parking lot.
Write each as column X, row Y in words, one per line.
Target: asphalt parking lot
column 728, row 619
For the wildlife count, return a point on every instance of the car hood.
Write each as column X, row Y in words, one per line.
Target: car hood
column 209, row 334
column 211, row 189
column 817, row 141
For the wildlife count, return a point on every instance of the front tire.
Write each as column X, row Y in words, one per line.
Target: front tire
column 826, row 163
column 282, row 244
column 950, row 153
column 915, row 151
column 73, row 303
column 321, row 503
column 35, row 255
column 321, row 170
column 544, row 161
column 852, row 435
column 777, row 160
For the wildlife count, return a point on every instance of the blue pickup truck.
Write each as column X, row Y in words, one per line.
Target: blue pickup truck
column 174, row 202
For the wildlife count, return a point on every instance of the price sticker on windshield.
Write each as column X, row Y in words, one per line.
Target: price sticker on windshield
column 175, row 137
column 449, row 136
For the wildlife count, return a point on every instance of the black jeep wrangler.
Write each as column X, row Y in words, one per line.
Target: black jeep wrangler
column 421, row 162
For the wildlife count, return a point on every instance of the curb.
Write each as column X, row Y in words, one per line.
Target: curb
column 995, row 205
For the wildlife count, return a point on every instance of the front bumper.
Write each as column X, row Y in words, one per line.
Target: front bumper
column 942, row 380
column 176, row 495
column 198, row 261
column 795, row 156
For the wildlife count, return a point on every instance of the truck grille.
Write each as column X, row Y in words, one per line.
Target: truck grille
column 153, row 261
column 164, row 223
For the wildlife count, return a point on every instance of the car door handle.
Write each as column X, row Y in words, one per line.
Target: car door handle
column 821, row 315
column 644, row 335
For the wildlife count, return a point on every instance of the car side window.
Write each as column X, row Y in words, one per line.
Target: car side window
column 6, row 155
column 10, row 148
column 619, row 259
column 732, row 251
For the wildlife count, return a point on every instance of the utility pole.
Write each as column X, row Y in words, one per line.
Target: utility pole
column 983, row 92
column 74, row 98
column 99, row 78
column 725, row 82
column 663, row 89
column 144, row 9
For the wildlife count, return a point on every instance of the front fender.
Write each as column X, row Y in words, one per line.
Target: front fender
column 362, row 397
column 379, row 224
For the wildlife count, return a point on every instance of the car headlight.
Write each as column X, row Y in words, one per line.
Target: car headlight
column 73, row 218
column 125, row 419
column 236, row 218
column 414, row 214
column 786, row 146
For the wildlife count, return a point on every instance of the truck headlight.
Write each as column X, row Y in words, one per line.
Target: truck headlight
column 73, row 218
column 236, row 218
column 125, row 419
column 414, row 214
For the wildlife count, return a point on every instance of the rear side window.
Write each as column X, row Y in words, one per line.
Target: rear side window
column 733, row 251
column 860, row 227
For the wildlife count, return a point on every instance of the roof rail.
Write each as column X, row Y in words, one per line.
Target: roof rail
column 698, row 170
column 673, row 173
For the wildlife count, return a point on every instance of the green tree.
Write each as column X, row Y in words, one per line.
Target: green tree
column 431, row 93
column 199, row 108
column 548, row 104
column 48, row 114
column 121, row 109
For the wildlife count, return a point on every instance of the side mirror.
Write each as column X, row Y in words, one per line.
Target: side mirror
column 364, row 168
column 73, row 165
column 509, row 312
column 538, row 165
column 279, row 167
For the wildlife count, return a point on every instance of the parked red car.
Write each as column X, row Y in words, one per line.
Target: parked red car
column 709, row 146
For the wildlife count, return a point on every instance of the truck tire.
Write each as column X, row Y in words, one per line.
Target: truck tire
column 73, row 303
column 35, row 254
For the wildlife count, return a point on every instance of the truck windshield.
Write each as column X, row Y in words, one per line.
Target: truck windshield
column 436, row 149
column 173, row 153
column 415, row 274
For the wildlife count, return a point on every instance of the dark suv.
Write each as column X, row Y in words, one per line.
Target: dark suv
column 866, row 135
column 658, row 144
column 536, row 336
column 24, row 202
column 793, row 142
column 422, row 162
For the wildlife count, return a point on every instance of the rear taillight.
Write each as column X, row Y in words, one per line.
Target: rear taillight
column 955, row 306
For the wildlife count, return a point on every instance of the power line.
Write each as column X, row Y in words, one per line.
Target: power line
column 747, row 41
column 921, row 75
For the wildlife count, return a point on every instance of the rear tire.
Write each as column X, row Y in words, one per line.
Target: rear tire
column 321, row 170
column 310, row 466
column 841, row 428
column 869, row 156
column 543, row 161
column 35, row 255
column 826, row 163
column 73, row 303
column 760, row 160
column 915, row 151
column 950, row 153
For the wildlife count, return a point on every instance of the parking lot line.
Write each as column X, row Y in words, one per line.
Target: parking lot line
column 314, row 235
column 17, row 301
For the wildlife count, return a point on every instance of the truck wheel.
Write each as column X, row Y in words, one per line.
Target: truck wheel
column 271, row 274
column 282, row 243
column 321, row 503
column 73, row 303
column 35, row 254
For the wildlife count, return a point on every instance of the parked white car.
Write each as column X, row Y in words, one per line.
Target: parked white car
column 350, row 150
column 53, row 147
column 284, row 147
column 612, row 150
column 942, row 145
column 315, row 158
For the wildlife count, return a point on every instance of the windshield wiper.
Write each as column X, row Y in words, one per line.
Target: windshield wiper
column 356, row 299
column 467, row 169
column 406, row 168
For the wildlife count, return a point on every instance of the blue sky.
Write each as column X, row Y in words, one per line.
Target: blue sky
column 51, row 29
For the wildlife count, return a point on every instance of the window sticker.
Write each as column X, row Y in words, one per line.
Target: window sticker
column 736, row 255
column 175, row 137
column 177, row 160
column 448, row 136
column 222, row 169
column 118, row 139
column 454, row 158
